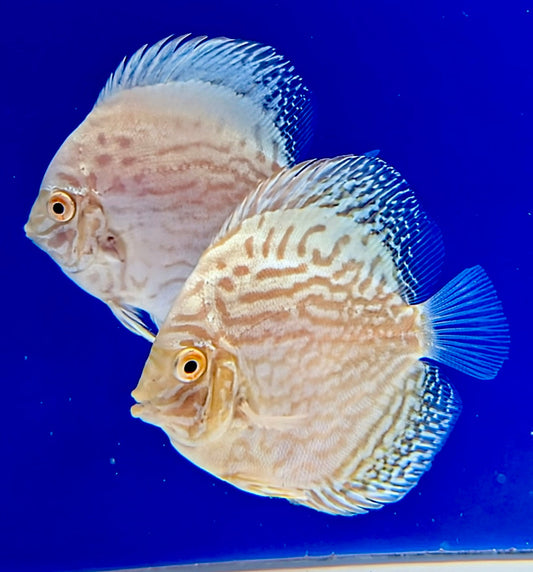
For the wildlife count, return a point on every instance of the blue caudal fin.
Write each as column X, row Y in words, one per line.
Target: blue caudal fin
column 467, row 329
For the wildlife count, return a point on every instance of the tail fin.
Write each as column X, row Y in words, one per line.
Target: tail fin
column 466, row 325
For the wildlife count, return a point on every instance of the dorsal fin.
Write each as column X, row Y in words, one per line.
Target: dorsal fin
column 371, row 193
column 249, row 69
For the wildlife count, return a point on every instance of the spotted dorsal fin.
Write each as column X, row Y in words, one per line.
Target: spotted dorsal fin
column 369, row 191
column 250, row 70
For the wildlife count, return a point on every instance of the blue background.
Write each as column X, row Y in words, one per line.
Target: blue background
column 444, row 89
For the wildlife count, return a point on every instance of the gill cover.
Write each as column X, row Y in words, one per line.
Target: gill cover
column 193, row 407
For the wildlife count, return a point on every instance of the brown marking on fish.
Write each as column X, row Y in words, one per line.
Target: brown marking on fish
column 365, row 284
column 185, row 149
column 249, row 246
column 280, row 253
column 268, row 273
column 103, row 160
column 226, row 283
column 139, row 179
column 194, row 330
column 364, row 239
column 266, row 243
column 118, row 185
column 188, row 407
column 101, row 138
column 71, row 180
column 61, row 237
column 348, row 267
column 301, row 249
column 241, row 270
column 243, row 320
column 320, row 260
column 123, row 142
column 290, row 291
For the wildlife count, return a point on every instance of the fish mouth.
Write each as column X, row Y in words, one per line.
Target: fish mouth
column 144, row 399
column 150, row 413
column 147, row 413
column 141, row 410
column 31, row 232
column 28, row 231
column 137, row 410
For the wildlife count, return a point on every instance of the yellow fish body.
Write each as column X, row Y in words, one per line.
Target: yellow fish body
column 290, row 364
column 178, row 136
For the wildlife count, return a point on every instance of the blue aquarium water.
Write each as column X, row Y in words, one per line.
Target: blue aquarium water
column 445, row 91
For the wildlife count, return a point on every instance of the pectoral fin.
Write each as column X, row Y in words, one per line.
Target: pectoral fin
column 279, row 422
column 134, row 319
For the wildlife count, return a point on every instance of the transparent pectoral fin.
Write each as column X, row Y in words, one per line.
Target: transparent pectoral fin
column 275, row 422
column 136, row 320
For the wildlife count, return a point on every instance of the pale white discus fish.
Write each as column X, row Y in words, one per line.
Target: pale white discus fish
column 178, row 136
column 290, row 364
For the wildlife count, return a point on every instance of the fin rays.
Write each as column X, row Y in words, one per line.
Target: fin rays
column 372, row 193
column 387, row 478
column 249, row 69
column 467, row 328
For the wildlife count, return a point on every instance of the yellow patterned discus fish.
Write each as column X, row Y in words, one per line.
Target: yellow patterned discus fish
column 299, row 359
column 178, row 136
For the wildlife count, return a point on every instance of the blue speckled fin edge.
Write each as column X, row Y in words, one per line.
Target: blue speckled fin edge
column 466, row 325
column 372, row 193
column 386, row 477
column 249, row 69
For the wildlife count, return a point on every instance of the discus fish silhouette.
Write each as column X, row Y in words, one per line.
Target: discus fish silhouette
column 299, row 360
column 178, row 136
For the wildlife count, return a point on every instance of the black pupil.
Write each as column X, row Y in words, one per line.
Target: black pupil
column 191, row 366
column 58, row 208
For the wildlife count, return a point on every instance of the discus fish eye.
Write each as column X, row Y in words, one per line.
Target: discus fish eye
column 61, row 206
column 190, row 365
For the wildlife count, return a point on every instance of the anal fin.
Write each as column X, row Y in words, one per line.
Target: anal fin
column 389, row 474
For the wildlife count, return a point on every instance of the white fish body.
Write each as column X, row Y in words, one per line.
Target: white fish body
column 309, row 311
column 179, row 135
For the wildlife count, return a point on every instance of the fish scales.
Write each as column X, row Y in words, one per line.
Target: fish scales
column 221, row 177
column 179, row 135
column 291, row 362
column 292, row 315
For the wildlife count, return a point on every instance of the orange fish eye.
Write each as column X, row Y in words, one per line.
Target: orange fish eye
column 190, row 364
column 61, row 206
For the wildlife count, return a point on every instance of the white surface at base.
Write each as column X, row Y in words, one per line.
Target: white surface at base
column 492, row 561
